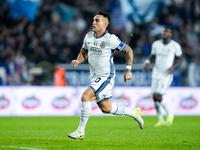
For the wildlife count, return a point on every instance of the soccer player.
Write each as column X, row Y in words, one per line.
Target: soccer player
column 98, row 47
column 164, row 51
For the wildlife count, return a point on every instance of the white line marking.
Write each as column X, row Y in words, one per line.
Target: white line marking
column 28, row 148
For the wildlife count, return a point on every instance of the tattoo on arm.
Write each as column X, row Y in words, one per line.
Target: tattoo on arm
column 129, row 55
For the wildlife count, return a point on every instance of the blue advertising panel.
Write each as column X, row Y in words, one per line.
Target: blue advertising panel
column 80, row 76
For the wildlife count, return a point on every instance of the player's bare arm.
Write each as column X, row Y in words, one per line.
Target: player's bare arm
column 177, row 62
column 147, row 62
column 129, row 56
column 129, row 61
column 82, row 56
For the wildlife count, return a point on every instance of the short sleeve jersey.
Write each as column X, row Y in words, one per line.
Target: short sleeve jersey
column 165, row 55
column 100, row 52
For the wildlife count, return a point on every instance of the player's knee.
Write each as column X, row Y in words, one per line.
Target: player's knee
column 154, row 97
column 157, row 97
column 106, row 110
column 84, row 97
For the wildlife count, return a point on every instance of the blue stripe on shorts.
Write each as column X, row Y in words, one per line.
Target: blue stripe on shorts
column 104, row 99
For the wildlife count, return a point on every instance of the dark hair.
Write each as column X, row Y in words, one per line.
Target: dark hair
column 169, row 28
column 104, row 14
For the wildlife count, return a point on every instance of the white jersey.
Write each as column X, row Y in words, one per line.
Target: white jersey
column 100, row 53
column 165, row 55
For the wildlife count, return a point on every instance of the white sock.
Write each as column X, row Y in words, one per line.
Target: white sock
column 84, row 116
column 159, row 114
column 165, row 106
column 118, row 109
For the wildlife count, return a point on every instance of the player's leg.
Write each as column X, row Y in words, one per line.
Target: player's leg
column 103, row 94
column 160, row 91
column 107, row 106
column 156, row 98
column 102, row 90
column 170, row 115
column 169, row 119
column 87, row 96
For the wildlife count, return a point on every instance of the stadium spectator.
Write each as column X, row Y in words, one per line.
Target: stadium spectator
column 194, row 71
column 59, row 75
column 50, row 29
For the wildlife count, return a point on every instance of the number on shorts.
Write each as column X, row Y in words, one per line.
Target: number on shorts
column 98, row 79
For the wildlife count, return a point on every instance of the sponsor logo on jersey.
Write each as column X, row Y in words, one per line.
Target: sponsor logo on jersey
column 103, row 44
column 188, row 102
column 31, row 102
column 61, row 102
column 146, row 103
column 96, row 51
column 4, row 102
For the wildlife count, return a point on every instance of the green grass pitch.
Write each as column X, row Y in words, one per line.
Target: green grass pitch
column 102, row 133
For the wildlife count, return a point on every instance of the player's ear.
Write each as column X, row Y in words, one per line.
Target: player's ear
column 106, row 23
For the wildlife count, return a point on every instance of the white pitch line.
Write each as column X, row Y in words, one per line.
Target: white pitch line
column 28, row 148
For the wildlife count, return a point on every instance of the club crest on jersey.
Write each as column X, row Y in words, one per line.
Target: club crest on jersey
column 103, row 45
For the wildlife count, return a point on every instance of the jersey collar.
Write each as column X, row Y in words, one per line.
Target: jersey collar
column 167, row 43
column 101, row 35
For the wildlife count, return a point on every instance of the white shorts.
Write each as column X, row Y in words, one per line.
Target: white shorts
column 102, row 86
column 160, row 86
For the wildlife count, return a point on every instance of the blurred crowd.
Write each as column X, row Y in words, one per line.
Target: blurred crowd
column 55, row 38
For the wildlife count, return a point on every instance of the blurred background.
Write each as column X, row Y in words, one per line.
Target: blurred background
column 38, row 37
